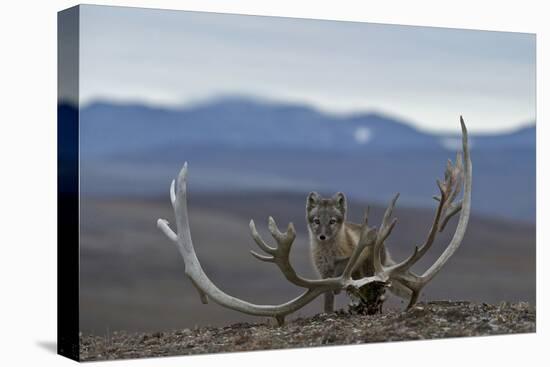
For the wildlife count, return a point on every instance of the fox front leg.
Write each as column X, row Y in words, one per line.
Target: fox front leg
column 328, row 271
column 329, row 302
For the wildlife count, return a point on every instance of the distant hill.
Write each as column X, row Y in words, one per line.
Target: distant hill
column 238, row 122
column 242, row 123
column 242, row 144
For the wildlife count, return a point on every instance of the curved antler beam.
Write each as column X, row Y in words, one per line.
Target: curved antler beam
column 449, row 190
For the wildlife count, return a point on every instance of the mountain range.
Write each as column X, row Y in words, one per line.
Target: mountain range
column 240, row 144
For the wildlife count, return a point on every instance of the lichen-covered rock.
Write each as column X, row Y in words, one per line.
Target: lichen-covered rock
column 431, row 320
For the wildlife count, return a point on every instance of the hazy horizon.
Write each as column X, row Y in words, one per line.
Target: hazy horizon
column 394, row 115
column 425, row 75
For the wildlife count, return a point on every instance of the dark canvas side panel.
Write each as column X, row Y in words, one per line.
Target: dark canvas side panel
column 67, row 184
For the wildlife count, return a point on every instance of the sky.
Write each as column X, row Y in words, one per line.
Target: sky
column 426, row 75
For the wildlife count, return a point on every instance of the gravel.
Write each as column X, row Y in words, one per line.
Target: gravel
column 441, row 319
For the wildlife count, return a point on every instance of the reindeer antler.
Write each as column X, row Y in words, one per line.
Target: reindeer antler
column 279, row 255
column 449, row 189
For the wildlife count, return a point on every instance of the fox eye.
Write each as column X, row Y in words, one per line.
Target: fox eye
column 332, row 221
column 316, row 221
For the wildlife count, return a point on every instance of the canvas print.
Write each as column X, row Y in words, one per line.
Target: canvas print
column 233, row 183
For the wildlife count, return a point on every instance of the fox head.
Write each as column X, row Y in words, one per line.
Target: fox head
column 325, row 217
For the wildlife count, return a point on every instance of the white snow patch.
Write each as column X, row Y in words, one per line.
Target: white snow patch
column 362, row 135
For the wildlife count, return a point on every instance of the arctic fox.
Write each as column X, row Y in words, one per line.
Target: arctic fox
column 332, row 239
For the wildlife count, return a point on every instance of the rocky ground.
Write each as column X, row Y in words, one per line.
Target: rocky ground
column 425, row 321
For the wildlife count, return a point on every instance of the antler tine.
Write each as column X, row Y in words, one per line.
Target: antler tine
column 258, row 239
column 450, row 208
column 280, row 255
column 173, row 192
column 383, row 232
column 283, row 239
column 265, row 258
column 366, row 216
column 264, row 246
column 453, row 178
column 389, row 209
column 405, row 264
column 453, row 209
column 165, row 227
column 366, row 238
column 182, row 181
column 458, row 171
column 442, row 188
column 387, row 231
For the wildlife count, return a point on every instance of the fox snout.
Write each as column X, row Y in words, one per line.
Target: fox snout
column 322, row 237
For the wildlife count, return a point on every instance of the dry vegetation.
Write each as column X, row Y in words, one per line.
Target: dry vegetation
column 431, row 320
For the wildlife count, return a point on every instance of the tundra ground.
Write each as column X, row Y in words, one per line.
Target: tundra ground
column 441, row 319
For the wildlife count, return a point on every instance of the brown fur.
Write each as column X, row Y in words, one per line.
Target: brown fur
column 333, row 239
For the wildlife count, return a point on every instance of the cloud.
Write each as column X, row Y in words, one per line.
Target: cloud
column 429, row 75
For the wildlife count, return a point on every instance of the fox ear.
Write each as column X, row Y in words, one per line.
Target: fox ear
column 312, row 200
column 340, row 200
